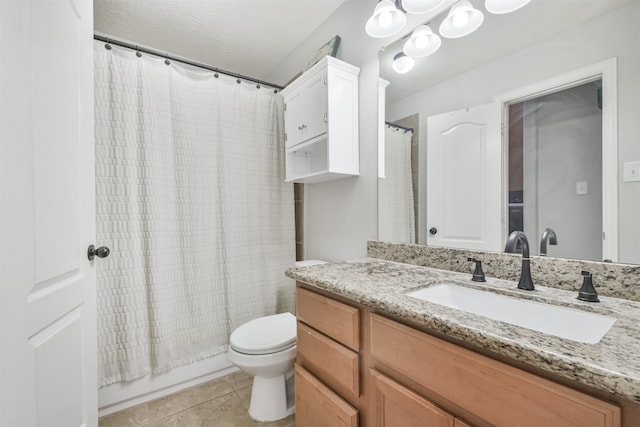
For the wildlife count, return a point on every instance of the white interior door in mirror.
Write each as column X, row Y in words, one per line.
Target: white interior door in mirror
column 464, row 181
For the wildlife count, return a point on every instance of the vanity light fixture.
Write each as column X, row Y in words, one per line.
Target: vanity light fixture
column 422, row 42
column 500, row 7
column 402, row 63
column 421, row 6
column 462, row 20
column 386, row 20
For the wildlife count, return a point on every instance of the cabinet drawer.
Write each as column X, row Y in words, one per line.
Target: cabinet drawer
column 335, row 319
column 333, row 363
column 498, row 393
column 398, row 406
column 318, row 406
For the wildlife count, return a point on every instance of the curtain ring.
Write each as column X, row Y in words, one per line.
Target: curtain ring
column 238, row 81
column 138, row 53
column 107, row 45
column 166, row 61
column 258, row 86
column 216, row 75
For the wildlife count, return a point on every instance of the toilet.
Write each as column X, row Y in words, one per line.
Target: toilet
column 266, row 348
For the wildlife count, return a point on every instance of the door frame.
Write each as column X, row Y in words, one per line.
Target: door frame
column 607, row 72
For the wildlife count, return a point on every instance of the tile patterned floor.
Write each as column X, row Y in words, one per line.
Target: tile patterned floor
column 223, row 402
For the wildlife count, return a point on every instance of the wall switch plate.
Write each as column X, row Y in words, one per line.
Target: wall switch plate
column 631, row 171
column 582, row 187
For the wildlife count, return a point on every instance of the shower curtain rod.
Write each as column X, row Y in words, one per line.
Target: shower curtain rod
column 122, row 43
column 405, row 129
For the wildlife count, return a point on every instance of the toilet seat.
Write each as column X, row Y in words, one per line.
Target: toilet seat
column 265, row 335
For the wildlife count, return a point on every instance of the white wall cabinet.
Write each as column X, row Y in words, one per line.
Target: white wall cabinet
column 321, row 123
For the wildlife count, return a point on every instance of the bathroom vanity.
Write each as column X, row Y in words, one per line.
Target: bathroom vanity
column 370, row 355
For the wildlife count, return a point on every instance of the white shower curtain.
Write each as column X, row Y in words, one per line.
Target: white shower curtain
column 191, row 200
column 396, row 218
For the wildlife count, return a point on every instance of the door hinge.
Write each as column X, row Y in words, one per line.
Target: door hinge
column 326, row 119
column 325, row 80
column 285, row 136
column 285, row 107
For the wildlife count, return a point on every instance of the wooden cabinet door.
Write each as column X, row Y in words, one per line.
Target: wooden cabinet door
column 495, row 392
column 460, row 423
column 398, row 406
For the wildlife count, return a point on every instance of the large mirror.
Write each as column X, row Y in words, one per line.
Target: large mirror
column 510, row 60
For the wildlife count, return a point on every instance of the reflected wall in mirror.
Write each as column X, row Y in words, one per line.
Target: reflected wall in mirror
column 545, row 39
column 555, row 172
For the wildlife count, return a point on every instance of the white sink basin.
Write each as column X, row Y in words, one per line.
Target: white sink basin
column 576, row 325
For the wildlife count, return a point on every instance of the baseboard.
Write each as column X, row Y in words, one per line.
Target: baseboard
column 116, row 397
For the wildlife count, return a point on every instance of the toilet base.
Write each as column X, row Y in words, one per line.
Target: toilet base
column 272, row 398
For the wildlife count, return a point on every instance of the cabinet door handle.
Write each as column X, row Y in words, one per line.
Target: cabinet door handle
column 302, row 127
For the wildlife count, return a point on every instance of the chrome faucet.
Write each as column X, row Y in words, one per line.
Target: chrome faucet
column 548, row 235
column 516, row 237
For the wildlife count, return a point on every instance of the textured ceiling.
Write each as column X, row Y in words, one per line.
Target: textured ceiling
column 247, row 37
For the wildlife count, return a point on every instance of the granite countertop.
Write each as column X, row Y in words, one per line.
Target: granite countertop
column 611, row 365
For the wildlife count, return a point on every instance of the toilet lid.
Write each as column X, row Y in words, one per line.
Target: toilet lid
column 265, row 335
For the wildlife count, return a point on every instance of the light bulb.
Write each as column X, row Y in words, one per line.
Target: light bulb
column 402, row 63
column 460, row 19
column 422, row 41
column 385, row 19
column 500, row 7
column 463, row 19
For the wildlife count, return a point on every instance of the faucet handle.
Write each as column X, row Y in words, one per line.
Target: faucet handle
column 588, row 291
column 478, row 274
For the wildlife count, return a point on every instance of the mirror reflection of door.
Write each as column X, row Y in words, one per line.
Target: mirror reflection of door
column 555, row 171
column 464, row 179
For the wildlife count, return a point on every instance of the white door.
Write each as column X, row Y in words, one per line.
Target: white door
column 464, row 180
column 47, row 207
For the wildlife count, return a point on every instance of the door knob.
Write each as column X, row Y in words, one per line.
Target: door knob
column 101, row 252
column 433, row 230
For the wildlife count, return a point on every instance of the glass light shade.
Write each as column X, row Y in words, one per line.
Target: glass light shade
column 386, row 20
column 462, row 20
column 500, row 7
column 421, row 6
column 422, row 42
column 402, row 63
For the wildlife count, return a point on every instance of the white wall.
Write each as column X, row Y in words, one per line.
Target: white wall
column 613, row 35
column 562, row 146
column 340, row 216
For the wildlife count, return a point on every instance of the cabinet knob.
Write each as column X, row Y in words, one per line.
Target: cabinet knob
column 433, row 230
